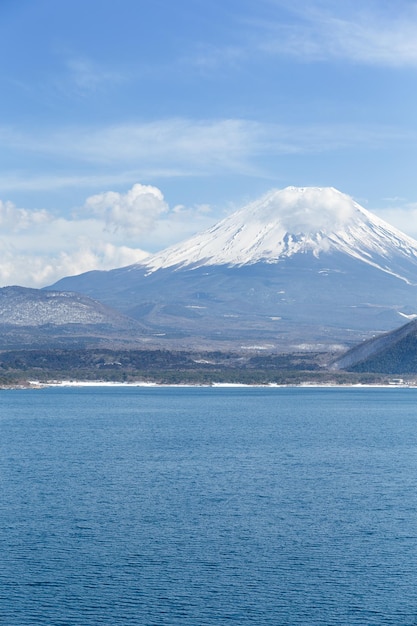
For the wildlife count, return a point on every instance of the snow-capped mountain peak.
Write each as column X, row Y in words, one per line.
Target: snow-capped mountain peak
column 297, row 269
column 291, row 221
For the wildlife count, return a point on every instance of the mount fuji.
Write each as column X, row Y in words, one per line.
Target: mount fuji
column 300, row 268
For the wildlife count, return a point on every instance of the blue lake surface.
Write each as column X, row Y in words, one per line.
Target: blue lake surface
column 208, row 506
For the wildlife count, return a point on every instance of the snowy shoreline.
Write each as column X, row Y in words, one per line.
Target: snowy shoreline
column 76, row 384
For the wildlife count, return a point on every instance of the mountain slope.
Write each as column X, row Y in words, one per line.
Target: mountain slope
column 299, row 268
column 391, row 353
column 296, row 221
column 31, row 317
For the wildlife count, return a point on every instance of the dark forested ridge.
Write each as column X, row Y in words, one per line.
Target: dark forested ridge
column 390, row 353
column 168, row 367
column 398, row 359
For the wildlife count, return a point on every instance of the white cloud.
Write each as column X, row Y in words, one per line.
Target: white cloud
column 312, row 209
column 134, row 212
column 15, row 219
column 37, row 269
column 305, row 210
column 38, row 247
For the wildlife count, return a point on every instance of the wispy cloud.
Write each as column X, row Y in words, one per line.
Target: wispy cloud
column 21, row 181
column 86, row 75
column 367, row 32
column 205, row 144
column 370, row 32
column 121, row 154
column 207, row 58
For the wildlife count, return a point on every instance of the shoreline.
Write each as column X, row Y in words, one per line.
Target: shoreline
column 33, row 384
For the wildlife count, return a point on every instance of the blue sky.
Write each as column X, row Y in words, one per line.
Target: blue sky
column 128, row 126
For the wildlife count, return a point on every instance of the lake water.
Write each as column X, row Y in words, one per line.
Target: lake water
column 199, row 506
